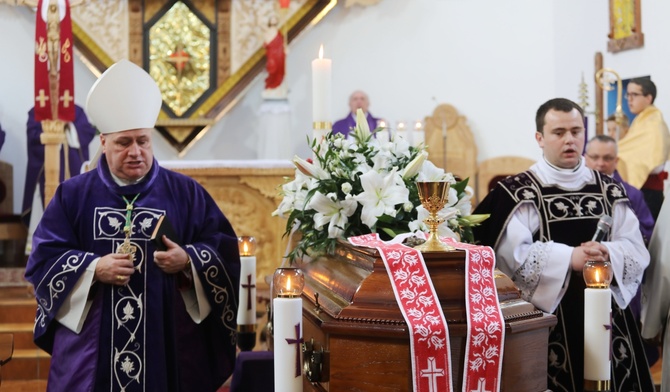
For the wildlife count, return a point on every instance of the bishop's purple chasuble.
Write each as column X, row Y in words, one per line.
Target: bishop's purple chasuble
column 136, row 337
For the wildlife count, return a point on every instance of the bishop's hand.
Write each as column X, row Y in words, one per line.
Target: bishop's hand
column 174, row 259
column 114, row 268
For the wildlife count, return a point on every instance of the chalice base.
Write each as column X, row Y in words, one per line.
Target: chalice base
column 433, row 244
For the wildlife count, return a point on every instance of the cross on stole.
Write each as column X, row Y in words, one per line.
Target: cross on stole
column 248, row 286
column 432, row 373
column 481, row 386
column 66, row 98
column 298, row 339
column 42, row 98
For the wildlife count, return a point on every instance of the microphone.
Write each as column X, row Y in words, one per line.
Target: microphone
column 604, row 225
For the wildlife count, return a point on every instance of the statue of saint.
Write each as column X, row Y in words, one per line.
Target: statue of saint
column 275, row 52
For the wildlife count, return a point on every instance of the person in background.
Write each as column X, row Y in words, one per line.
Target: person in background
column 601, row 155
column 612, row 127
column 114, row 312
column 646, row 148
column 357, row 100
column 655, row 317
column 74, row 152
column 541, row 227
column 3, row 134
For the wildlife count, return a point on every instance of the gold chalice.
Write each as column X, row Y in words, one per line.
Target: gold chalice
column 433, row 196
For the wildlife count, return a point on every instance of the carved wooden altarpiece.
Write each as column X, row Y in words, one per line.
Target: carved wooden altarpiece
column 202, row 53
column 451, row 144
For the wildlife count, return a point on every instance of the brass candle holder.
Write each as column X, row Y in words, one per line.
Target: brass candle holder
column 433, row 197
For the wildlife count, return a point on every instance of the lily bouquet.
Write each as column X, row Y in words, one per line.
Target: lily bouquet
column 360, row 185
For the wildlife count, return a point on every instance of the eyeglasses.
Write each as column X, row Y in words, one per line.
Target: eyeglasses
column 633, row 95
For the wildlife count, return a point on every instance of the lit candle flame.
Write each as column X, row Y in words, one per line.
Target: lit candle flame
column 597, row 276
column 321, row 52
column 288, row 284
column 245, row 248
column 418, row 125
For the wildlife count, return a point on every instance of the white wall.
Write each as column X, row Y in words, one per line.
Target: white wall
column 496, row 61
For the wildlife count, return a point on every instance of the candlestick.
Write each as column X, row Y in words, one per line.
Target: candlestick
column 287, row 325
column 418, row 134
column 321, row 95
column 246, row 312
column 597, row 325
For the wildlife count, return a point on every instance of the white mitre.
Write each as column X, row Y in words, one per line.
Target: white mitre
column 124, row 97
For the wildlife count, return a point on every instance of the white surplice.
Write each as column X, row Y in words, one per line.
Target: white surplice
column 656, row 289
column 541, row 270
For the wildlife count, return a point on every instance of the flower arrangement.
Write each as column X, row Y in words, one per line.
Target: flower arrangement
column 361, row 185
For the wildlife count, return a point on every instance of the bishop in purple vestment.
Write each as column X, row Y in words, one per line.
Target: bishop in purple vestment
column 115, row 313
column 357, row 100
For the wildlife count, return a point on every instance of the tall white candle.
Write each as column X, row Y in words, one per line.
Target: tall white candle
column 287, row 344
column 246, row 313
column 597, row 333
column 321, row 89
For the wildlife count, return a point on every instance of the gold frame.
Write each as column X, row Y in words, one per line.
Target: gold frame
column 183, row 132
column 634, row 38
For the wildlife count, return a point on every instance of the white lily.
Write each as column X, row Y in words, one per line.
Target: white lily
column 431, row 173
column 310, row 169
column 362, row 130
column 413, row 167
column 335, row 213
column 380, row 196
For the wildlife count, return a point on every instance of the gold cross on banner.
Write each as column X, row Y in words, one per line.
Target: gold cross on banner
column 66, row 98
column 42, row 98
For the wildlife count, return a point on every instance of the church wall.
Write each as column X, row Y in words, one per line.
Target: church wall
column 494, row 61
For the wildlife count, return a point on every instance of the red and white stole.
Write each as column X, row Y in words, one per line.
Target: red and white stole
column 65, row 66
column 429, row 334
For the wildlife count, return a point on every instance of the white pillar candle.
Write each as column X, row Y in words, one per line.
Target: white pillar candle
column 321, row 95
column 287, row 344
column 597, row 333
column 246, row 312
column 418, row 137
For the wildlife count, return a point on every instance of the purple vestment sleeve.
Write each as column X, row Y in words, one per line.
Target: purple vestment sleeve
column 137, row 337
column 345, row 125
column 639, row 207
column 3, row 134
column 35, row 169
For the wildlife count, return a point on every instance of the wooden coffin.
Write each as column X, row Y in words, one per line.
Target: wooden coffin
column 356, row 338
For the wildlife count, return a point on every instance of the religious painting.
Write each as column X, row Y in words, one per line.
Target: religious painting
column 203, row 54
column 625, row 25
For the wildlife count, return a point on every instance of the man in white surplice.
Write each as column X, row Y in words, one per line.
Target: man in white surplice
column 541, row 226
column 656, row 289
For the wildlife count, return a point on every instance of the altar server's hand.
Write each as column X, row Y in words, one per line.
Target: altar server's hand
column 114, row 268
column 591, row 250
column 174, row 259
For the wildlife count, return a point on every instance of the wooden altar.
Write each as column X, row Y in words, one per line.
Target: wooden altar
column 356, row 338
column 247, row 192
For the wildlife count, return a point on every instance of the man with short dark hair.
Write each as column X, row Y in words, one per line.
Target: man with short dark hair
column 541, row 225
column 115, row 312
column 646, row 147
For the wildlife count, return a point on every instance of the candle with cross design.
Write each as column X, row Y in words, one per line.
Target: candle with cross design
column 288, row 339
column 597, row 325
column 246, row 311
